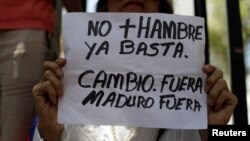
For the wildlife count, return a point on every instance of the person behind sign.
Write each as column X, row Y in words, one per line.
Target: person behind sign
column 24, row 26
column 221, row 102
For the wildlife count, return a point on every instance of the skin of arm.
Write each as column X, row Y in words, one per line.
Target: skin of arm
column 45, row 94
column 203, row 135
column 221, row 102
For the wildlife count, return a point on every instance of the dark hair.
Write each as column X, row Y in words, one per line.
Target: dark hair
column 165, row 6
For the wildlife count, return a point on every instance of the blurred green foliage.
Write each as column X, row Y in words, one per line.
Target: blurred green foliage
column 245, row 15
column 218, row 31
column 218, row 35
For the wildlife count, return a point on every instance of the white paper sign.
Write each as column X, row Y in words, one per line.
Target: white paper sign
column 133, row 69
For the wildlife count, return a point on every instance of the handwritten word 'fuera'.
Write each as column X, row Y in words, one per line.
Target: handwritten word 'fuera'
column 118, row 100
column 171, row 102
column 148, row 28
column 134, row 82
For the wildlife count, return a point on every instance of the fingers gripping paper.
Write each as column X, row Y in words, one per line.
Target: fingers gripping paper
column 133, row 69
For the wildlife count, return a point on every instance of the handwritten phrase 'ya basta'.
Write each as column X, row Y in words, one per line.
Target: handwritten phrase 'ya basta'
column 146, row 28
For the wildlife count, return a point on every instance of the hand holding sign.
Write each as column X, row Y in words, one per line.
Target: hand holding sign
column 182, row 84
column 150, row 83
